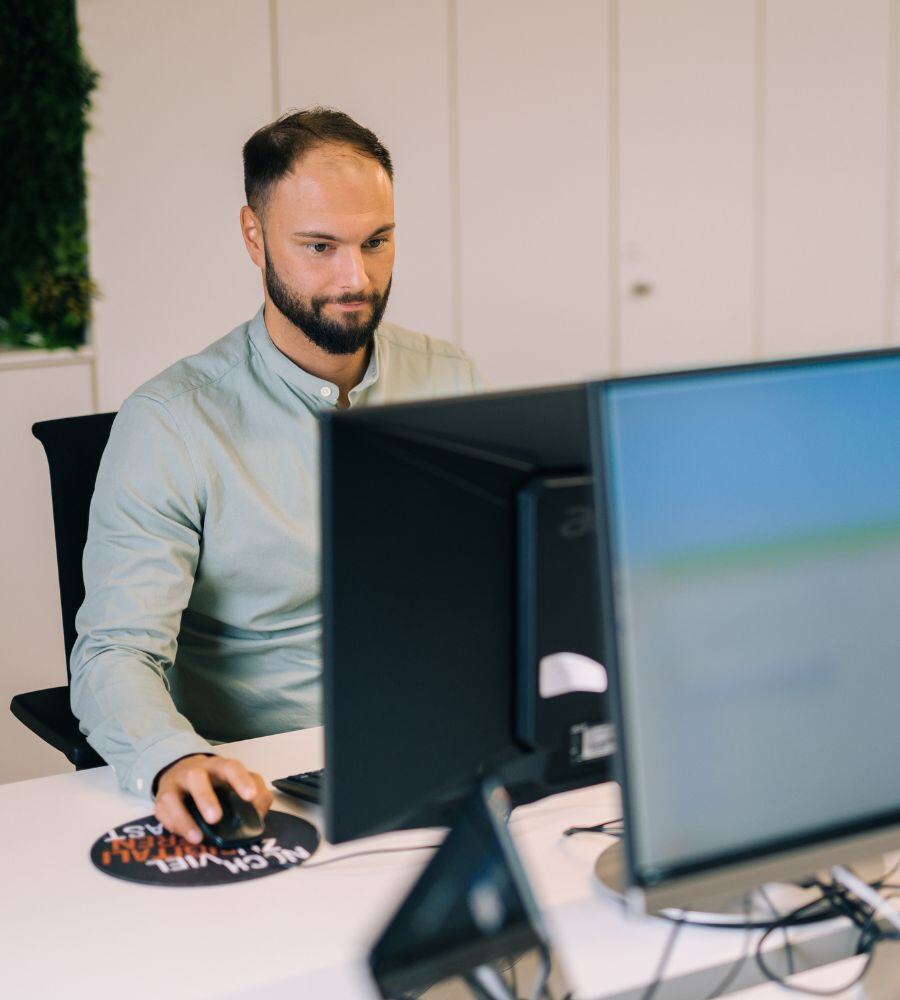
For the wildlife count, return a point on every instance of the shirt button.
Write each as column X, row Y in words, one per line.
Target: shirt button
column 325, row 390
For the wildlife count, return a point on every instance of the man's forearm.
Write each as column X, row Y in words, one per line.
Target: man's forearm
column 125, row 710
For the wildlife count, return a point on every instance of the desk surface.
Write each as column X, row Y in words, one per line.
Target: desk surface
column 68, row 930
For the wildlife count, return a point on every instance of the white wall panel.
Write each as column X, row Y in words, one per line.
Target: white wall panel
column 892, row 242
column 183, row 85
column 385, row 64
column 534, row 188
column 826, row 157
column 686, row 126
column 32, row 655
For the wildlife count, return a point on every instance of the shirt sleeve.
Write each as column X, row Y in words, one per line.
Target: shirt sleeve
column 139, row 563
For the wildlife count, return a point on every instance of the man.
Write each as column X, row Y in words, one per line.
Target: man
column 201, row 621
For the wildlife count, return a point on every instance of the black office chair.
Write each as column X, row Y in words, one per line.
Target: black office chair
column 74, row 447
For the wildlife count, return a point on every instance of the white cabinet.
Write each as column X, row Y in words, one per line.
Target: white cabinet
column 534, row 188
column 686, row 91
column 646, row 184
column 827, row 204
column 757, row 193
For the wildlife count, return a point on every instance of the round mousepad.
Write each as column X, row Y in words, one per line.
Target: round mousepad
column 144, row 851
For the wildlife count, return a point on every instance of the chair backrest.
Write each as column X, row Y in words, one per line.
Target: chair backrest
column 74, row 447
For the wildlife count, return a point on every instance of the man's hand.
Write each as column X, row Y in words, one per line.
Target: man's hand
column 195, row 776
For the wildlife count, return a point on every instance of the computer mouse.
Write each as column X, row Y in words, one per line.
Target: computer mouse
column 240, row 825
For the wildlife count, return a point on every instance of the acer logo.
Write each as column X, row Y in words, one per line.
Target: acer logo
column 578, row 521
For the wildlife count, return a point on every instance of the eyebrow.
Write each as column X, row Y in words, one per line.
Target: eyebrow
column 334, row 239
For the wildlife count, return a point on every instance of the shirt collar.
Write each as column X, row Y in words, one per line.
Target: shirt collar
column 320, row 391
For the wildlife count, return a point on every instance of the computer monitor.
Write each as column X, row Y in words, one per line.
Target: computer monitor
column 749, row 523
column 458, row 552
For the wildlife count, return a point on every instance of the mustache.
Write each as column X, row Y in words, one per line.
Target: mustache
column 372, row 298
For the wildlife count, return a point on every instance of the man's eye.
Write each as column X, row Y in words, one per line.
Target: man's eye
column 377, row 243
column 319, row 248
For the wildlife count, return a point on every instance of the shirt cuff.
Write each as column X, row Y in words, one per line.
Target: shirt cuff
column 140, row 777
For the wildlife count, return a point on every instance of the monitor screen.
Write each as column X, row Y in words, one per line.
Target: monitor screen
column 752, row 533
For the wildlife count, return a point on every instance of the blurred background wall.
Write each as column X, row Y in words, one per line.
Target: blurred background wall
column 582, row 186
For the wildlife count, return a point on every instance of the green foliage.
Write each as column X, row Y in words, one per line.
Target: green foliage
column 45, row 83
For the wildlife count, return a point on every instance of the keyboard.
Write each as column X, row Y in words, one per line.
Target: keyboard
column 306, row 786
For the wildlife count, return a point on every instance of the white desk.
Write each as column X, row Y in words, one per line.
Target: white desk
column 874, row 986
column 68, row 930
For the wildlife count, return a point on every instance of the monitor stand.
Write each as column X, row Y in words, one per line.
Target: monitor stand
column 762, row 906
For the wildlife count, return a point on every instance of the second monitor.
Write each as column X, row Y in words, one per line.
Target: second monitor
column 750, row 517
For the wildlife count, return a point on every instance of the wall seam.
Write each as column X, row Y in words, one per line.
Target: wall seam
column 456, row 289
column 615, row 277
column 95, row 386
column 891, row 179
column 274, row 58
column 757, row 278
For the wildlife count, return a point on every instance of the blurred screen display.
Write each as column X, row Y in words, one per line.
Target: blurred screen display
column 755, row 537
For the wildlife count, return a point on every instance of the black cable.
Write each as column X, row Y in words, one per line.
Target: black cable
column 650, row 992
column 842, row 905
column 751, row 925
column 788, row 946
column 510, row 969
column 360, row 854
column 747, row 924
column 598, row 828
column 546, row 971
column 881, row 882
column 837, row 991
column 735, row 969
column 872, row 934
column 795, row 918
column 835, row 901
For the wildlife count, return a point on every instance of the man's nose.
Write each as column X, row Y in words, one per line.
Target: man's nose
column 352, row 276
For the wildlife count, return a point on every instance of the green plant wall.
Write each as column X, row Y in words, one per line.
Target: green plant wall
column 45, row 88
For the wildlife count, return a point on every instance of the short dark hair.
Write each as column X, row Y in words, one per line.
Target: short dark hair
column 272, row 151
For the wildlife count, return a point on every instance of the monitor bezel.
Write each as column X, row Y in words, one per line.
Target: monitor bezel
column 711, row 879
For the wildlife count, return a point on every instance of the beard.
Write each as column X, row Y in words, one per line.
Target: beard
column 334, row 336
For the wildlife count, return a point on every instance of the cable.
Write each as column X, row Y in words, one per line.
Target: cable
column 746, row 924
column 881, row 883
column 361, row 854
column 788, row 946
column 866, row 893
column 835, row 901
column 735, row 970
column 813, row 917
column 599, row 828
column 842, row 905
column 511, row 969
column 542, row 987
column 650, row 992
column 871, row 934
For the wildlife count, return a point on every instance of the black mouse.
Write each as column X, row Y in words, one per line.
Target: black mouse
column 240, row 825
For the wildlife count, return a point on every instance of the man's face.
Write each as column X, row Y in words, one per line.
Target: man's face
column 329, row 247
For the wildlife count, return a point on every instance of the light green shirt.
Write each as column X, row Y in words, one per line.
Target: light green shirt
column 202, row 620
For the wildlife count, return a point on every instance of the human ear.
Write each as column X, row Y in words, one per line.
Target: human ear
column 252, row 231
